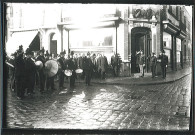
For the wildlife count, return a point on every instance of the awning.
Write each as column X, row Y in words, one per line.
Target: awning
column 20, row 38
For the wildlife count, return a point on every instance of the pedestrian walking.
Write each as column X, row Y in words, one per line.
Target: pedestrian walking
column 88, row 68
column 41, row 71
column 164, row 62
column 61, row 60
column 153, row 61
column 141, row 62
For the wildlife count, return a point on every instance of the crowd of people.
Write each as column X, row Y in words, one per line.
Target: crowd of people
column 25, row 74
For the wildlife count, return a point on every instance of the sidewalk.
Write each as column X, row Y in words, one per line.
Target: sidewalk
column 146, row 80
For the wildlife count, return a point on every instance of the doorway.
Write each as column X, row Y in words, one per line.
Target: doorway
column 140, row 40
column 53, row 44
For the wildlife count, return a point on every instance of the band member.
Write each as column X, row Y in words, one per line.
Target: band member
column 94, row 65
column 80, row 64
column 164, row 62
column 99, row 65
column 49, row 80
column 72, row 66
column 153, row 61
column 141, row 62
column 41, row 71
column 88, row 67
column 103, row 65
column 19, row 73
column 30, row 70
column 61, row 60
column 115, row 62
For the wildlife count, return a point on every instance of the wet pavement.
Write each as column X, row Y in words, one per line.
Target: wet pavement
column 101, row 106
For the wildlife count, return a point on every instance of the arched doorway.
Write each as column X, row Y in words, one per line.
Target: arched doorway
column 140, row 40
column 53, row 44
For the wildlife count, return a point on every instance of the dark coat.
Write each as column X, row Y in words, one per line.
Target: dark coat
column 80, row 62
column 153, row 60
column 71, row 64
column 99, row 63
column 115, row 61
column 87, row 65
column 42, row 59
column 30, row 67
column 19, row 66
column 61, row 60
column 164, row 60
column 103, row 63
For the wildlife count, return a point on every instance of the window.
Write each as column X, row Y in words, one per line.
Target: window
column 92, row 37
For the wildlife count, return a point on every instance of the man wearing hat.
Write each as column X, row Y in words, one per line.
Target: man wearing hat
column 61, row 60
column 153, row 61
column 41, row 71
column 88, row 67
column 30, row 70
column 164, row 62
column 19, row 73
column 141, row 62
column 72, row 66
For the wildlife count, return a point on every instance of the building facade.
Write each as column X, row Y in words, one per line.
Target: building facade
column 123, row 29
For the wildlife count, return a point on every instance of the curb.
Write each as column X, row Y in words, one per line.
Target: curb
column 139, row 84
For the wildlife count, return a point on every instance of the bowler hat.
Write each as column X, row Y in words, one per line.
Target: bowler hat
column 62, row 53
column 88, row 54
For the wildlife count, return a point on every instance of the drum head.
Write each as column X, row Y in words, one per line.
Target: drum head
column 51, row 67
column 39, row 64
column 68, row 72
column 79, row 71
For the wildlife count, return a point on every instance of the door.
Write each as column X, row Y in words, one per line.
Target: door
column 141, row 40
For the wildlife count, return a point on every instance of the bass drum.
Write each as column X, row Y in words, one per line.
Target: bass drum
column 51, row 67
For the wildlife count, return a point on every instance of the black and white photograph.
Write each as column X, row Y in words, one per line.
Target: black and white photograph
column 98, row 66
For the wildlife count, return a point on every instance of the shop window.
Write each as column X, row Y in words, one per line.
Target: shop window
column 92, row 37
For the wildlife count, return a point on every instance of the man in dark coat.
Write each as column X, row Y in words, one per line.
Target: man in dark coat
column 99, row 65
column 41, row 71
column 72, row 66
column 103, row 65
column 20, row 74
column 115, row 62
column 61, row 60
column 88, row 67
column 80, row 64
column 164, row 62
column 153, row 61
column 30, row 69
column 94, row 65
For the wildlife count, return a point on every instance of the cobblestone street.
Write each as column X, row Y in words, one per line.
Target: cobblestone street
column 101, row 106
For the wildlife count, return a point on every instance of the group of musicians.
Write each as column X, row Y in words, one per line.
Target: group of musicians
column 26, row 74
